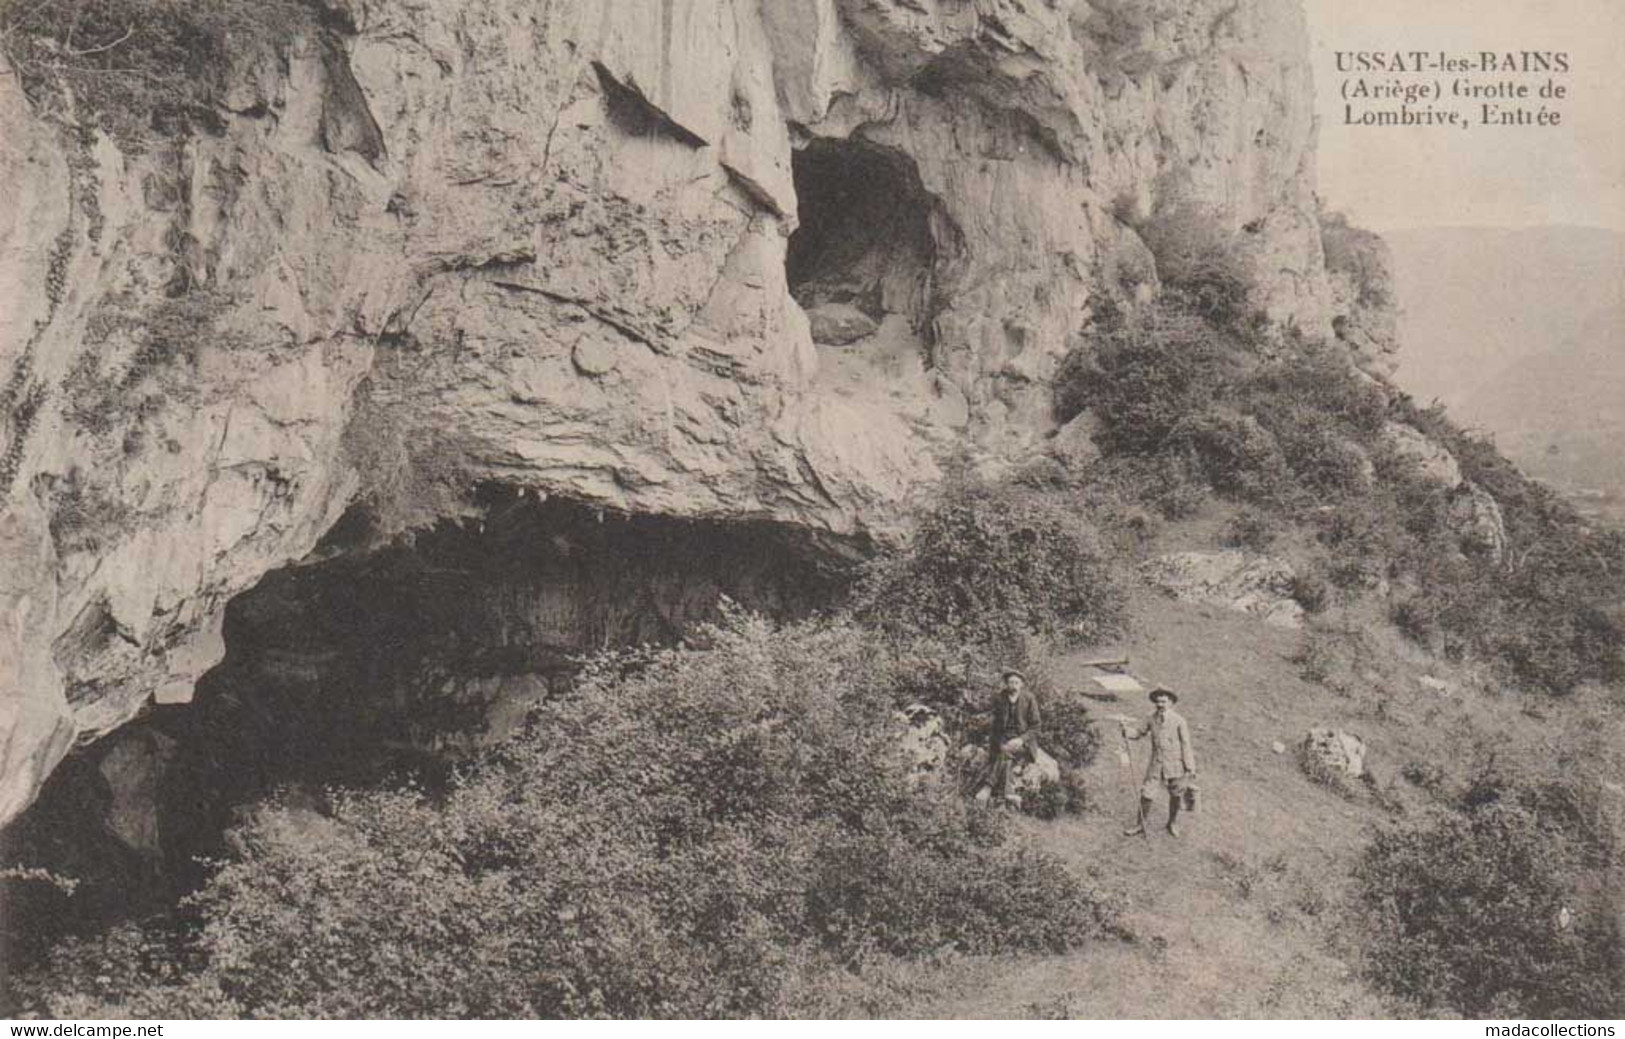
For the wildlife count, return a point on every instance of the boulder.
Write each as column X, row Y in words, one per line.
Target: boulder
column 1334, row 752
column 1476, row 518
column 1025, row 778
column 1073, row 445
column 1236, row 580
column 133, row 768
column 838, row 324
column 491, row 709
column 1435, row 462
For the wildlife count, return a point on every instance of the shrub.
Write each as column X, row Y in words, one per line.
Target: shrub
column 140, row 67
column 1236, row 455
column 990, row 564
column 1186, row 402
column 1170, row 387
column 19, row 411
column 409, row 481
column 1069, row 731
column 1143, row 374
column 1320, row 379
column 1169, row 484
column 950, row 678
column 1550, row 611
column 1068, row 796
column 138, row 359
column 1464, row 912
column 685, row 837
column 1199, row 260
column 1317, row 658
column 1311, row 590
column 1318, row 769
column 1251, row 530
column 1425, row 775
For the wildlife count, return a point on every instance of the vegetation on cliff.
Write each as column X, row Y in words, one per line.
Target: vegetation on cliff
column 140, row 69
column 1187, row 407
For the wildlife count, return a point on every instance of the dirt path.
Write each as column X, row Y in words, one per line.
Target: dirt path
column 1232, row 919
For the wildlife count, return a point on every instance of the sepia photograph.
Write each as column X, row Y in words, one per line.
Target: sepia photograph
column 807, row 510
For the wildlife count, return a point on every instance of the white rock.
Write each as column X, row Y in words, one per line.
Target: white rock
column 1336, row 750
column 1433, row 459
column 1236, row 580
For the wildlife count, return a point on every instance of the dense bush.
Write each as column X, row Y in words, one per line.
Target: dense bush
column 1069, row 730
column 1252, row 530
column 1187, row 407
column 1465, row 915
column 991, row 564
column 1143, row 374
column 1199, row 260
column 1172, row 388
column 689, row 833
column 1234, row 454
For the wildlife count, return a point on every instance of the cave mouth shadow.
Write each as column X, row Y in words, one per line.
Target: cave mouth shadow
column 360, row 668
column 869, row 236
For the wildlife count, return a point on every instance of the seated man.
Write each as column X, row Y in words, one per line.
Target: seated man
column 1013, row 736
column 1173, row 760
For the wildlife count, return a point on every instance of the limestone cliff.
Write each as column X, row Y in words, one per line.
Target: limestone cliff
column 582, row 247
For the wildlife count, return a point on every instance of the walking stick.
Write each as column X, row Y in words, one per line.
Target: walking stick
column 1125, row 759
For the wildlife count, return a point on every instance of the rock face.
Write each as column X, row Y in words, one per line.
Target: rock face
column 1432, row 460
column 1476, row 517
column 1474, row 514
column 1233, row 579
column 566, row 248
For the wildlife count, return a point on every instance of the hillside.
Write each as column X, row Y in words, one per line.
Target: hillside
column 517, row 510
column 1251, row 912
column 1246, row 915
column 1522, row 333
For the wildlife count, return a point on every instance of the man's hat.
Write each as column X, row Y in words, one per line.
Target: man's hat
column 1163, row 691
column 1007, row 672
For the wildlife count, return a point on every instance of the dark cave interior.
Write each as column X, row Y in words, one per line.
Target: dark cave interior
column 367, row 667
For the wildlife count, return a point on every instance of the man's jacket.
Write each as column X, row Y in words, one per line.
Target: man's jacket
column 1171, row 753
column 1014, row 718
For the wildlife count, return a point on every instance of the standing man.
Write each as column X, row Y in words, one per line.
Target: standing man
column 1173, row 760
column 1013, row 736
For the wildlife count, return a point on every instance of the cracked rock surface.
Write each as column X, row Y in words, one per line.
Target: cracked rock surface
column 545, row 245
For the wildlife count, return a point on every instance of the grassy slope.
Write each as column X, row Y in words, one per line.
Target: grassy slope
column 1244, row 916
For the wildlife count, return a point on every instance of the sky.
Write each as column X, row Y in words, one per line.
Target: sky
column 1388, row 178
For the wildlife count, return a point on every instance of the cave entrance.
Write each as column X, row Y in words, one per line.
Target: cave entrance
column 865, row 247
column 373, row 666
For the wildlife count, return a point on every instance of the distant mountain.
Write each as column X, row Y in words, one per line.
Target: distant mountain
column 1522, row 333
